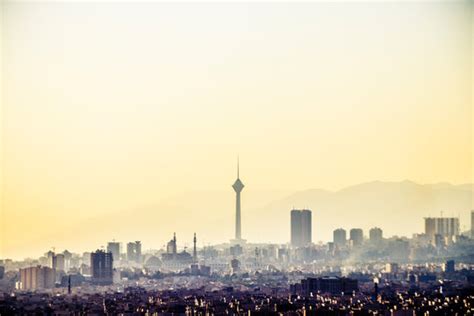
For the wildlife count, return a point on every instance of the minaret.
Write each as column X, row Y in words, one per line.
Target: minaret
column 194, row 249
column 175, row 247
column 238, row 187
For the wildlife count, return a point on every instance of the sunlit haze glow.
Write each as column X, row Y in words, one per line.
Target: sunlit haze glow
column 125, row 120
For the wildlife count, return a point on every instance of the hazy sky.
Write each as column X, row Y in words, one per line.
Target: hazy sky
column 111, row 107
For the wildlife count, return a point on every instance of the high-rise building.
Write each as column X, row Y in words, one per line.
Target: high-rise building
column 472, row 224
column 59, row 262
column 306, row 234
column 114, row 248
column 375, row 234
column 430, row 226
column 67, row 260
column 449, row 266
column 134, row 251
column 194, row 248
column 138, row 251
column 36, row 278
column 295, row 216
column 356, row 236
column 238, row 186
column 102, row 267
column 301, row 223
column 447, row 227
column 339, row 237
column 50, row 258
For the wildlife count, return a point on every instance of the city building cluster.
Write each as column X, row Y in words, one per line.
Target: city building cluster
column 431, row 272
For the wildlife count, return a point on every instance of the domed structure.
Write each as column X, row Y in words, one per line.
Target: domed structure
column 153, row 263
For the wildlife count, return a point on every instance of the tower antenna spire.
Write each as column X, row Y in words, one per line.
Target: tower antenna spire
column 238, row 167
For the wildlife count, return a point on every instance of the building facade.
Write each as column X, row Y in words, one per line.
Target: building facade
column 375, row 234
column 356, row 236
column 301, row 228
column 134, row 251
column 102, row 267
column 36, row 278
column 446, row 227
column 339, row 237
column 114, row 248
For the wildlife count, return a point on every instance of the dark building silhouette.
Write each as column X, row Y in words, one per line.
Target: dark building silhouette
column 194, row 248
column 172, row 254
column 134, row 251
column 356, row 236
column 375, row 234
column 235, row 265
column 472, row 224
column 200, row 270
column 449, row 266
column 59, row 262
column 301, row 232
column 102, row 267
column 339, row 237
column 72, row 280
column 114, row 248
column 332, row 285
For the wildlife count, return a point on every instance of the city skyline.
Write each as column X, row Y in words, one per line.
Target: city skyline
column 300, row 234
column 237, row 158
column 135, row 117
column 316, row 226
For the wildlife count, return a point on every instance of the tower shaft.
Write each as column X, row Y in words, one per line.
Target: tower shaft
column 238, row 232
column 238, row 186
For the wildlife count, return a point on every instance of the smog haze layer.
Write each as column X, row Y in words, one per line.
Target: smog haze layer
column 125, row 120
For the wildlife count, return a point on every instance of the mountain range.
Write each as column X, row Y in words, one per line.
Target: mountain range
column 396, row 207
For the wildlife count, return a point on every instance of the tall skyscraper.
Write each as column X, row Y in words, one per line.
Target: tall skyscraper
column 301, row 223
column 114, row 248
column 295, row 228
column 430, row 226
column 339, row 237
column 375, row 234
column 138, row 251
column 59, row 262
column 238, row 187
column 194, row 248
column 306, row 234
column 134, row 251
column 102, row 267
column 472, row 224
column 449, row 266
column 356, row 236
column 446, row 227
column 50, row 255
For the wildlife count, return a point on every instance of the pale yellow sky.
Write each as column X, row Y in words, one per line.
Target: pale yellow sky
column 111, row 107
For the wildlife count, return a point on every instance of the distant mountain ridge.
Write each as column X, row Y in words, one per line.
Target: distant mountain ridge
column 396, row 207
